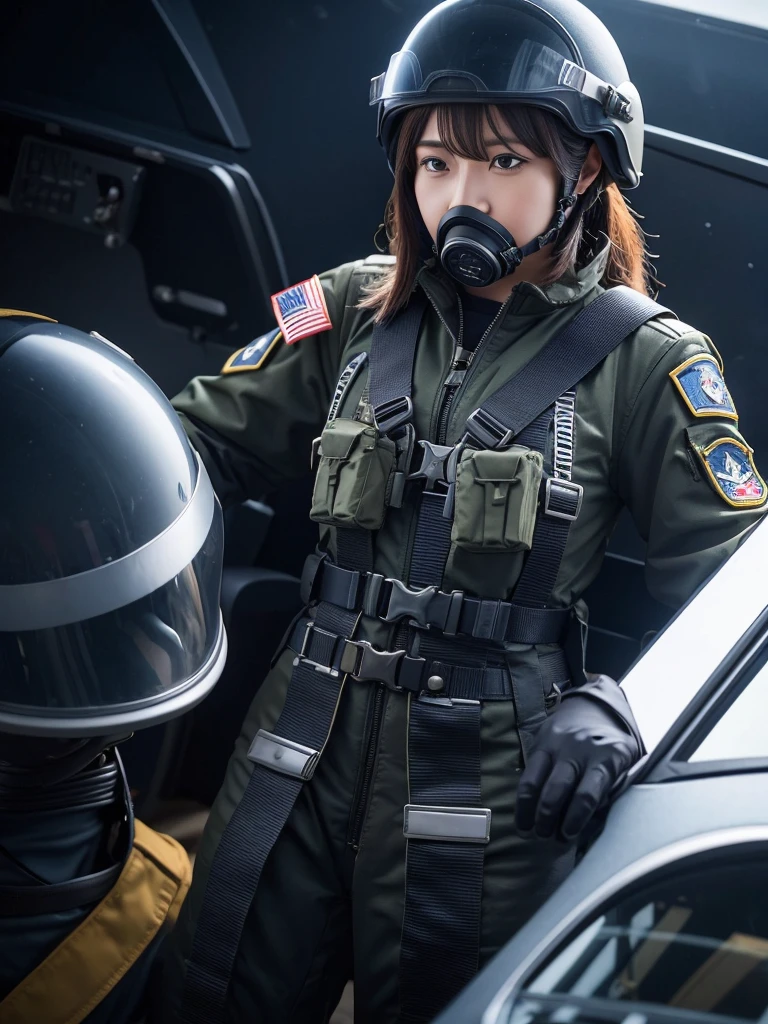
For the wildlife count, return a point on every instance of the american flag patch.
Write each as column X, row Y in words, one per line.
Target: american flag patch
column 301, row 310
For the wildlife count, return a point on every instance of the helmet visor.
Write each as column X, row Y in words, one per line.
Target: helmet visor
column 87, row 676
column 486, row 51
column 480, row 48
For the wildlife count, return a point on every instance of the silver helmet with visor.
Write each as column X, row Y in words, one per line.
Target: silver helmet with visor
column 555, row 55
column 111, row 542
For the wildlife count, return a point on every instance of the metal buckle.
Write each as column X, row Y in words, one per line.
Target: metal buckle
column 574, row 492
column 447, row 824
column 392, row 414
column 282, row 755
column 616, row 105
column 326, row 670
column 490, row 432
column 363, row 663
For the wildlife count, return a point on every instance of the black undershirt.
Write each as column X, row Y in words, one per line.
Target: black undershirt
column 478, row 316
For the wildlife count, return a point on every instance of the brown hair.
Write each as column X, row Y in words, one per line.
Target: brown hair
column 601, row 211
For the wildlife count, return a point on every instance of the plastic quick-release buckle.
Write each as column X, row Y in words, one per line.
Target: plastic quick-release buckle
column 364, row 663
column 438, row 465
column 562, row 498
column 447, row 824
column 427, row 607
column 487, row 430
column 390, row 415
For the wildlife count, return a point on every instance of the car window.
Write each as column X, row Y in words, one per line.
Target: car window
column 741, row 732
column 692, row 944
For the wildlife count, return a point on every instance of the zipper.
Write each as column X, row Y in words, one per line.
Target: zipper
column 449, row 400
column 459, row 364
column 363, row 789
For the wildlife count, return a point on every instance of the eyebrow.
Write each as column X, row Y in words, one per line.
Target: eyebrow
column 437, row 144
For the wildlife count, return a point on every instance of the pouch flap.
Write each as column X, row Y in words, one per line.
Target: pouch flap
column 490, row 466
column 340, row 437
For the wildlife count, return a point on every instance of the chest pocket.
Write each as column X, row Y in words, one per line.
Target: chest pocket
column 354, row 477
column 497, row 494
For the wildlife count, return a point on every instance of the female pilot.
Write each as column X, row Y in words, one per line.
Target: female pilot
column 414, row 773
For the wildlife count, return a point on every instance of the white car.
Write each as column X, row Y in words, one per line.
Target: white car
column 665, row 919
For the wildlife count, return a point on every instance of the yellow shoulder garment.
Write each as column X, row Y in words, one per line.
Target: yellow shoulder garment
column 88, row 964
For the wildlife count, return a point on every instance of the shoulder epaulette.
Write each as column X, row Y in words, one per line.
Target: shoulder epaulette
column 379, row 259
column 671, row 327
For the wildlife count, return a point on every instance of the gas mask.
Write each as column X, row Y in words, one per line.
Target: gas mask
column 477, row 250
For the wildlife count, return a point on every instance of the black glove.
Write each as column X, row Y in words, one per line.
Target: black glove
column 579, row 754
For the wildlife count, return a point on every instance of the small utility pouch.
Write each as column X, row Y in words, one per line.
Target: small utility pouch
column 497, row 493
column 354, row 477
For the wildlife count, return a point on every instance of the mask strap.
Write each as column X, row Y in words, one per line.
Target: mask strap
column 556, row 225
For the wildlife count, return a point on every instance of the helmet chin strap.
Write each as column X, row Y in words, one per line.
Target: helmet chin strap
column 477, row 250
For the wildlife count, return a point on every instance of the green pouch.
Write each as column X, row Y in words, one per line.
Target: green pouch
column 496, row 498
column 354, row 477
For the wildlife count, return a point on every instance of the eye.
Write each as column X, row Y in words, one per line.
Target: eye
column 507, row 161
column 433, row 164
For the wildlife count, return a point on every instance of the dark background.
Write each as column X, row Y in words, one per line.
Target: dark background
column 260, row 167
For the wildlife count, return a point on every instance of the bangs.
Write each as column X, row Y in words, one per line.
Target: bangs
column 463, row 127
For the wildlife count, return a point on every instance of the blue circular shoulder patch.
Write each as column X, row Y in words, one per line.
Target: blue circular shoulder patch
column 732, row 471
column 700, row 382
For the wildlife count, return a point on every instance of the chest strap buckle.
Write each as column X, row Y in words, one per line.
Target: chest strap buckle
column 428, row 607
column 438, row 465
column 562, row 499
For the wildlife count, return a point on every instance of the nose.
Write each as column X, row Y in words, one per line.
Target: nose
column 469, row 187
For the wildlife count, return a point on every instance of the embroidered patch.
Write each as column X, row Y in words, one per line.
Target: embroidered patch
column 301, row 310
column 700, row 381
column 350, row 372
column 733, row 473
column 252, row 357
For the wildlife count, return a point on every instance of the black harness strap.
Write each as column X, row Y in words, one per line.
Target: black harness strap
column 441, row 925
column 287, row 758
column 565, row 360
column 432, row 541
column 393, row 352
column 447, row 830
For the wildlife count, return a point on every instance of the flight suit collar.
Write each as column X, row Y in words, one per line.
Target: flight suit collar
column 527, row 299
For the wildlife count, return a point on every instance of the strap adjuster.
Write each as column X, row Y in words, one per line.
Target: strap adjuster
column 390, row 415
column 562, row 499
column 283, row 755
column 447, row 824
column 487, row 430
column 326, row 670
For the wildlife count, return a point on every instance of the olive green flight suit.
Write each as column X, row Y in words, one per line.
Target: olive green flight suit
column 330, row 901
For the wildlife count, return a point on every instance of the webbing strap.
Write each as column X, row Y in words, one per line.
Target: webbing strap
column 565, row 360
column 354, row 549
column 431, row 543
column 251, row 833
column 393, row 351
column 441, row 924
column 401, row 672
column 27, row 900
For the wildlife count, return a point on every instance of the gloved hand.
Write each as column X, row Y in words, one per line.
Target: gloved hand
column 579, row 754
